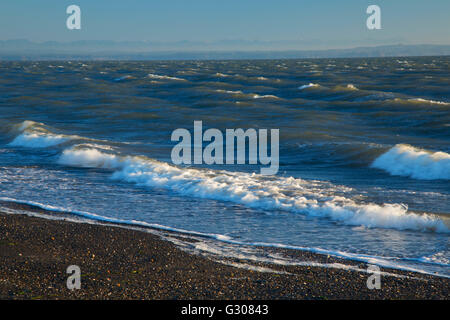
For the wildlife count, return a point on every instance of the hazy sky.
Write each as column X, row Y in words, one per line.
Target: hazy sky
column 313, row 24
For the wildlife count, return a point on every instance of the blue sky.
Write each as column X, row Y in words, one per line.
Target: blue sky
column 310, row 24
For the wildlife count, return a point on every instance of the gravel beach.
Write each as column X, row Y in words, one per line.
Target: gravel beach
column 121, row 263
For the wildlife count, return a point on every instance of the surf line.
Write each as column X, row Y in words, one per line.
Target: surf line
column 213, row 153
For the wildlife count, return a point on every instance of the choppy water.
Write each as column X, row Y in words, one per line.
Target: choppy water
column 364, row 150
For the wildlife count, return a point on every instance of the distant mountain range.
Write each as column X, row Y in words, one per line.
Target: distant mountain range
column 148, row 50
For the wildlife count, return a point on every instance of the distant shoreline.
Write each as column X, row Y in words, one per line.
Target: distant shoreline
column 24, row 50
column 121, row 263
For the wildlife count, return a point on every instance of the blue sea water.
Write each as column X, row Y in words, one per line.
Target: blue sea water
column 364, row 150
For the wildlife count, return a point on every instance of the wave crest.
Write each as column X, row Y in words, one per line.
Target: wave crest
column 405, row 160
column 306, row 86
column 160, row 77
column 312, row 198
column 35, row 135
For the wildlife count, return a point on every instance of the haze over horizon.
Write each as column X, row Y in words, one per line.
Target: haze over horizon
column 231, row 25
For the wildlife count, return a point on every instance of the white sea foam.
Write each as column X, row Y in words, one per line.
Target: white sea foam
column 35, row 135
column 405, row 160
column 252, row 252
column 247, row 266
column 28, row 124
column 308, row 86
column 313, row 198
column 89, row 158
column 37, row 140
column 437, row 258
column 268, row 96
column 252, row 95
column 421, row 101
column 430, row 101
column 157, row 76
column 229, row 91
column 217, row 245
column 100, row 219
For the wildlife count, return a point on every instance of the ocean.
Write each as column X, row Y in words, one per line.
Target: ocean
column 364, row 151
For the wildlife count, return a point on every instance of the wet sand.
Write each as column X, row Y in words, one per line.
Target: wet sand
column 120, row 263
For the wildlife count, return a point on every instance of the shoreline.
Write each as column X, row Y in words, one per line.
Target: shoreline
column 117, row 262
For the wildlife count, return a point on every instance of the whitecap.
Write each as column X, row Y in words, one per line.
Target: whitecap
column 310, row 85
column 37, row 140
column 405, row 160
column 157, row 76
column 312, row 198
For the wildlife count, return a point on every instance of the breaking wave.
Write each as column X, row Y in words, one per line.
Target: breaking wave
column 421, row 101
column 355, row 94
column 159, row 77
column 313, row 198
column 220, row 246
column 35, row 135
column 241, row 94
column 405, row 160
column 310, row 85
column 310, row 197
